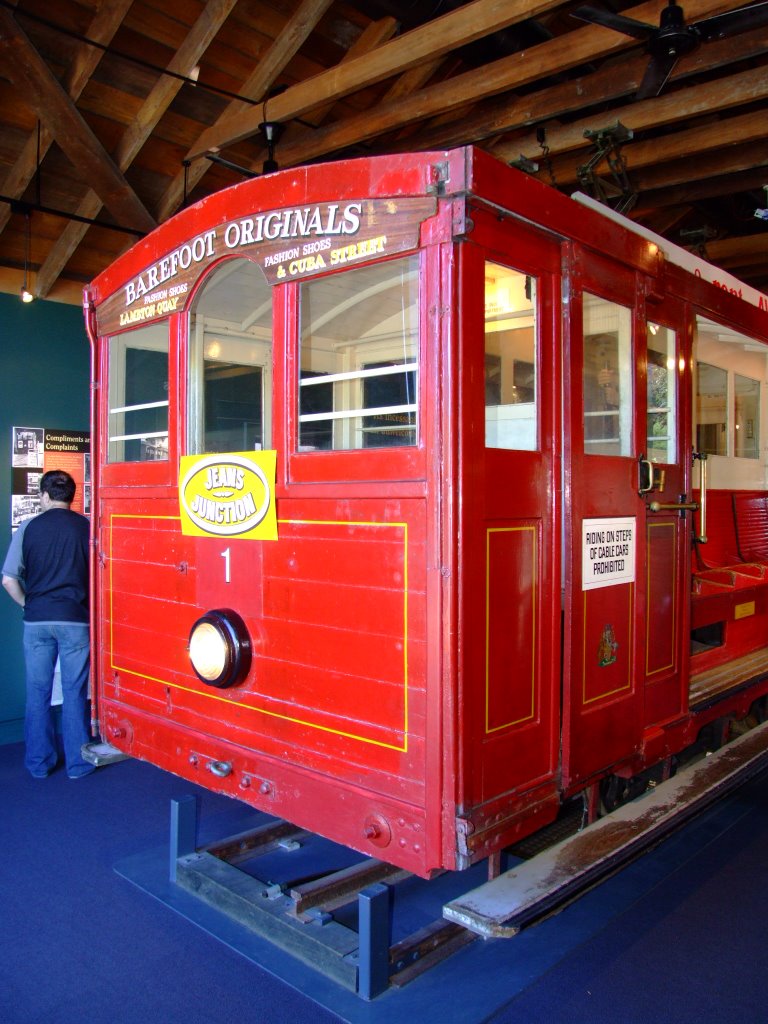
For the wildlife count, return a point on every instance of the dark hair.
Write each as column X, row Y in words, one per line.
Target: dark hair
column 58, row 485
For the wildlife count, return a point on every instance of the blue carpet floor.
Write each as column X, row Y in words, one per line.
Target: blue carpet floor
column 680, row 936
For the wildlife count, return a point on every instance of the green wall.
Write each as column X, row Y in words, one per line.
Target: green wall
column 44, row 373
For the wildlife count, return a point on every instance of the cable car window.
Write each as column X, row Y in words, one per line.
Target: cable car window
column 607, row 376
column 711, row 409
column 138, row 395
column 662, row 430
column 510, row 359
column 230, row 362
column 746, row 393
column 358, row 358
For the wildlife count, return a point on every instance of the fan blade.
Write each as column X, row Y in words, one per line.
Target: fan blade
column 721, row 26
column 618, row 22
column 655, row 78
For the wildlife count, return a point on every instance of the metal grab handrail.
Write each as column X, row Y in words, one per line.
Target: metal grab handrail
column 702, row 457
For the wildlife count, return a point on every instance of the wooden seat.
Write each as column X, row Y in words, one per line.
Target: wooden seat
column 733, row 560
column 721, row 548
column 750, row 513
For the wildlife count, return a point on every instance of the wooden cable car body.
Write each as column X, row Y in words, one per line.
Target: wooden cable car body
column 390, row 431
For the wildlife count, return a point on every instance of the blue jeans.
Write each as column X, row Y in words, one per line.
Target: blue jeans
column 42, row 644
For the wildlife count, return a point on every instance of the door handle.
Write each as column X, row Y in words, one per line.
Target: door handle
column 650, row 476
column 675, row 506
column 645, row 475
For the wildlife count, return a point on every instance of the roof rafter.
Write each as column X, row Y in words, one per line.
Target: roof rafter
column 255, row 88
column 47, row 97
column 468, row 23
column 155, row 105
column 499, row 76
column 520, row 78
column 102, row 29
column 747, row 87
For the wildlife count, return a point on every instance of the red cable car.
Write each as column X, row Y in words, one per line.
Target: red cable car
column 394, row 511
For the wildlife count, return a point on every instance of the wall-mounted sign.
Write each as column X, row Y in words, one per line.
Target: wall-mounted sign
column 36, row 450
column 607, row 552
column 228, row 495
column 288, row 244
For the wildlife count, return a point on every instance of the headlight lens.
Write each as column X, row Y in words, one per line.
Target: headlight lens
column 208, row 651
column 220, row 648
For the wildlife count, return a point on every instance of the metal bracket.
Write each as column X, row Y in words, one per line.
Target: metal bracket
column 438, row 178
column 617, row 191
column 524, row 164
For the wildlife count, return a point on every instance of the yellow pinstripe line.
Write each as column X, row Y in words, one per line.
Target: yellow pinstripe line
column 673, row 591
column 525, row 718
column 263, row 711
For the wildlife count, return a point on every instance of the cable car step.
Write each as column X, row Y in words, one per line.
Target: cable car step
column 502, row 907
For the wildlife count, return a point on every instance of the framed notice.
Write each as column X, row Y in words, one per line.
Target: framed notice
column 608, row 552
column 34, row 451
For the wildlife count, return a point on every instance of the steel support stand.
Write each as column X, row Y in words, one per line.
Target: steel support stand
column 184, row 812
column 375, row 934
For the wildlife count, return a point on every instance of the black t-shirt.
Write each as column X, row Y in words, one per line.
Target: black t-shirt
column 55, row 549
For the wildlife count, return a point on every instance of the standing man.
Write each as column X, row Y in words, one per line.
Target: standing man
column 46, row 572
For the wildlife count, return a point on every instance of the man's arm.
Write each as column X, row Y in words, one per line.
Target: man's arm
column 15, row 589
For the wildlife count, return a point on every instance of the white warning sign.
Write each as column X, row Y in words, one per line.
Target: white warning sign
column 607, row 552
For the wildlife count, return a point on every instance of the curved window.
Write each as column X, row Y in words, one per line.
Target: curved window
column 229, row 391
column 138, row 395
column 359, row 352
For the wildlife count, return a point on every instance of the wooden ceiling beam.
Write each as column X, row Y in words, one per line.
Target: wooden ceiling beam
column 405, row 85
column 101, row 30
column 43, row 93
column 192, row 48
column 703, row 166
column 717, row 135
column 374, row 35
column 254, row 88
column 473, row 21
column 370, row 39
column 69, row 292
column 608, row 84
column 740, row 250
column 696, row 101
column 518, row 69
column 690, row 147
column 698, row 191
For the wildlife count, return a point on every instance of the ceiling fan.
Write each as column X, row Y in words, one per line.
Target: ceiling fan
column 672, row 38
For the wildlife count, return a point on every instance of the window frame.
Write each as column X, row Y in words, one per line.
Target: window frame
column 365, row 464
column 155, row 473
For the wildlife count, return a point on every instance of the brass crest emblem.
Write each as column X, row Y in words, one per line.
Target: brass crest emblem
column 606, row 651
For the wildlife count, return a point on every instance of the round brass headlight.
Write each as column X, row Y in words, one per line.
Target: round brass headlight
column 220, row 648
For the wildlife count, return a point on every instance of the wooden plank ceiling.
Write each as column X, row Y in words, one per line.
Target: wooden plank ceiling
column 104, row 133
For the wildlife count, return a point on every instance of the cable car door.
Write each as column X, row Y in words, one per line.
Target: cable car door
column 510, row 608
column 625, row 570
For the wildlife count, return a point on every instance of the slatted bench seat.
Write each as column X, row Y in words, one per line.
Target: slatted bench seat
column 732, row 577
column 737, row 533
column 750, row 513
column 729, row 566
column 722, row 548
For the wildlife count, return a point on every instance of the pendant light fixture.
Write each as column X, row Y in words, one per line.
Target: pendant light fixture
column 25, row 294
